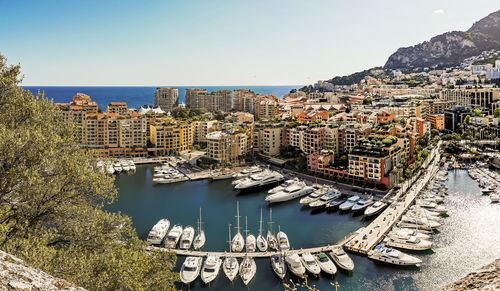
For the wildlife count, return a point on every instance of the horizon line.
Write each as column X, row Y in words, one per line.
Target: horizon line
column 172, row 86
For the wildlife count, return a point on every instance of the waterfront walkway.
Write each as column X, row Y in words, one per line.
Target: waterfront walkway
column 370, row 236
column 322, row 249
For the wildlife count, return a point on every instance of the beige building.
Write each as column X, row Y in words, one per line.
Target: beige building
column 271, row 141
column 462, row 97
column 167, row 98
column 215, row 101
column 242, row 98
column 170, row 139
column 227, row 148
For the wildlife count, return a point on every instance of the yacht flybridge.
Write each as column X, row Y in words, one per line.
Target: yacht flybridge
column 391, row 256
column 190, row 269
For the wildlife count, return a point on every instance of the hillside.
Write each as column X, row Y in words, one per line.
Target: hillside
column 450, row 48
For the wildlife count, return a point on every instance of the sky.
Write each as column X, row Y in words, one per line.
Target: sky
column 217, row 42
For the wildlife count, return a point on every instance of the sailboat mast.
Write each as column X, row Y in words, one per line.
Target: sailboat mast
column 271, row 220
column 246, row 226
column 199, row 225
column 229, row 241
column 238, row 215
column 260, row 224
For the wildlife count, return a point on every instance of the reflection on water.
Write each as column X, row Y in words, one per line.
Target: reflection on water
column 467, row 239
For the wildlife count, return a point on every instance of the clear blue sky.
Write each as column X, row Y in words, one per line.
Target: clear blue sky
column 212, row 42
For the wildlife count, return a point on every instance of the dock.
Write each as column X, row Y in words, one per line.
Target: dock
column 374, row 233
column 192, row 253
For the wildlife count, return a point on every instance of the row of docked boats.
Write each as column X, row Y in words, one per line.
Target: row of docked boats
column 117, row 166
column 281, row 262
column 415, row 229
column 165, row 174
column 487, row 181
column 177, row 236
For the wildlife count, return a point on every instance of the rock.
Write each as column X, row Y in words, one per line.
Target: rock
column 16, row 275
column 485, row 279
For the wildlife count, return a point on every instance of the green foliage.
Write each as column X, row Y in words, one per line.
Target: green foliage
column 467, row 119
column 51, row 199
column 477, row 112
column 497, row 113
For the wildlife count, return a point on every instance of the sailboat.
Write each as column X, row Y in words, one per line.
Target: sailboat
column 261, row 240
column 238, row 242
column 284, row 244
column 248, row 269
column 199, row 240
column 271, row 239
column 231, row 265
column 250, row 241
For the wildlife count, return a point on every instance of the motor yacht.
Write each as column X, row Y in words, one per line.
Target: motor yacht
column 238, row 241
column 187, row 237
column 190, row 269
column 349, row 203
column 408, row 242
column 362, row 204
column 118, row 167
column 261, row 240
column 325, row 263
column 199, row 240
column 282, row 186
column 335, row 203
column 109, row 169
column 317, row 194
column 261, row 179
column 131, row 165
column 310, row 264
column 210, row 269
column 294, row 191
column 415, row 222
column 391, row 256
column 173, row 236
column 231, row 265
column 408, row 231
column 295, row 265
column 340, row 258
column 284, row 244
column 488, row 189
column 158, row 232
column 125, row 165
column 495, row 197
column 324, row 199
column 247, row 172
column 279, row 266
column 248, row 269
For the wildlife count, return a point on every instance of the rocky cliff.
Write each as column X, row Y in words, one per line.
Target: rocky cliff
column 450, row 48
column 15, row 275
column 487, row 278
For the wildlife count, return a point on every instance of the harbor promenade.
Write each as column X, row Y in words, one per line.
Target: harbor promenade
column 370, row 236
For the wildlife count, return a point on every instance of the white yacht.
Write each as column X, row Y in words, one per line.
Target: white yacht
column 408, row 231
column 261, row 179
column 295, row 265
column 375, row 208
column 313, row 196
column 495, row 197
column 362, row 204
column 488, row 189
column 158, row 232
column 272, row 242
column 131, row 165
column 109, row 168
column 278, row 264
column 335, row 202
column 248, row 269
column 173, row 236
column 199, row 240
column 210, row 269
column 340, row 257
column 250, row 244
column 415, row 222
column 325, row 263
column 247, row 172
column 118, row 167
column 125, row 165
column 261, row 240
column 190, row 269
column 238, row 241
column 392, row 256
column 187, row 237
column 324, row 199
column 310, row 264
column 284, row 244
column 349, row 203
column 296, row 190
column 231, row 265
column 282, row 186
column 408, row 242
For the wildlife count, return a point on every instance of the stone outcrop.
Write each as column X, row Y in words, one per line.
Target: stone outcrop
column 485, row 279
column 16, row 275
column 451, row 48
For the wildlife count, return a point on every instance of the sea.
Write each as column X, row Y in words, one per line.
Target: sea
column 467, row 240
column 135, row 97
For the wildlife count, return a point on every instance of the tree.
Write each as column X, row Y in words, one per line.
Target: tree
column 477, row 112
column 497, row 112
column 51, row 201
column 467, row 119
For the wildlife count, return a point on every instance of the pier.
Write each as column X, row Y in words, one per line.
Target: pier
column 322, row 249
column 370, row 236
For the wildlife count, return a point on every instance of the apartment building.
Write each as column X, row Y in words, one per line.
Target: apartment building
column 437, row 106
column 436, row 120
column 168, row 139
column 242, row 98
column 167, row 98
column 227, row 147
column 267, row 109
column 215, row 101
column 463, row 97
column 117, row 107
column 314, row 140
column 202, row 128
column 271, row 141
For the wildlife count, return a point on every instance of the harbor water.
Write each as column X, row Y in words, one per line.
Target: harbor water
column 467, row 240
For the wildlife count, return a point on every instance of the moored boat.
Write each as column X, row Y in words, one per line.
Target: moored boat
column 190, row 269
